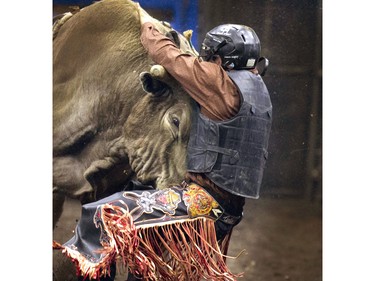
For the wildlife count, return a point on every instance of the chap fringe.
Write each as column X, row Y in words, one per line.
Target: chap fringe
column 182, row 250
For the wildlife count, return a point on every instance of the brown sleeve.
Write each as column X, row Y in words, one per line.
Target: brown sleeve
column 207, row 83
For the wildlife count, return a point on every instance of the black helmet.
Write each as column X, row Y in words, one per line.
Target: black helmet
column 237, row 45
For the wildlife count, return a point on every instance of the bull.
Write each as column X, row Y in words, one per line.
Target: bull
column 114, row 120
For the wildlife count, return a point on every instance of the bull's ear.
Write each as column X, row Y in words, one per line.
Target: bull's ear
column 152, row 85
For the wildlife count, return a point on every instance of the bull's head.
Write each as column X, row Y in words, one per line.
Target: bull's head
column 156, row 146
column 152, row 146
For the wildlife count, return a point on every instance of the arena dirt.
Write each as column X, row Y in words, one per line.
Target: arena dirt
column 282, row 239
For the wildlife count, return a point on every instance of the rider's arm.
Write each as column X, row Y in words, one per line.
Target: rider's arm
column 206, row 82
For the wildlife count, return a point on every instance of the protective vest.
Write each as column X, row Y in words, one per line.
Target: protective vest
column 233, row 153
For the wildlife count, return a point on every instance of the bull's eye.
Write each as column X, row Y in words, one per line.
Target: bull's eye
column 176, row 122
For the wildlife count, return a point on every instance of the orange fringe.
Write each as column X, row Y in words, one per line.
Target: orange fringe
column 185, row 250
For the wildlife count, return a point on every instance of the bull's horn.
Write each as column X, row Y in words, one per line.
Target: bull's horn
column 59, row 21
column 158, row 71
column 188, row 34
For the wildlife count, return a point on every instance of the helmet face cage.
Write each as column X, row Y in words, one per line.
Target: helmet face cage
column 237, row 45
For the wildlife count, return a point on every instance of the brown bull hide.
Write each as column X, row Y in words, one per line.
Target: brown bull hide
column 106, row 128
column 97, row 60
